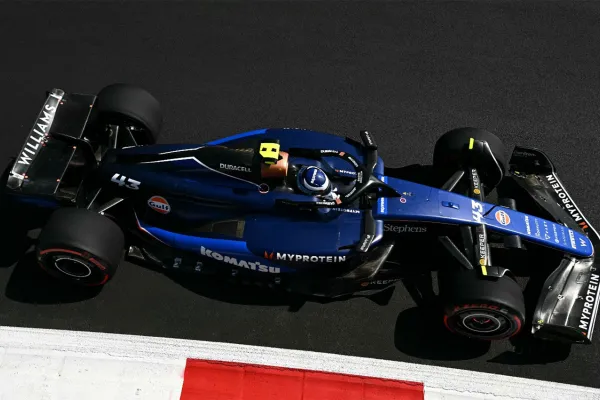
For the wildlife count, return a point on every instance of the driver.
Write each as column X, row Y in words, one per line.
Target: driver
column 315, row 182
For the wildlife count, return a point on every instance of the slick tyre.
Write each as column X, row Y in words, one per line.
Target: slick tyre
column 127, row 105
column 449, row 154
column 479, row 308
column 80, row 246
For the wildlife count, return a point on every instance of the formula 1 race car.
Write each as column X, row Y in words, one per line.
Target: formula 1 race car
column 313, row 213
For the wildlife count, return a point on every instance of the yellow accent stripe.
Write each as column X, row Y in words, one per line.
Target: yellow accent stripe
column 483, row 270
column 471, row 143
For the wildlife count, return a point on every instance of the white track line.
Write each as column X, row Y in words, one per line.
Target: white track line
column 159, row 363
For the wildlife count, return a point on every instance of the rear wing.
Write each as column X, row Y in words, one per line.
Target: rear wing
column 568, row 305
column 43, row 159
column 36, row 139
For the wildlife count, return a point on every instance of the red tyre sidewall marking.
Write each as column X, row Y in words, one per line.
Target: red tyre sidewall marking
column 92, row 260
column 62, row 251
column 97, row 263
column 518, row 321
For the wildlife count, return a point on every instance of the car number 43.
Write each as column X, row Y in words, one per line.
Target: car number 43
column 129, row 183
column 477, row 210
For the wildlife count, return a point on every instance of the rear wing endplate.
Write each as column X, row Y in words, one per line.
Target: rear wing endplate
column 35, row 140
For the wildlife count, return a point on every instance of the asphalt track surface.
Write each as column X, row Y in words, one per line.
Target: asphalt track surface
column 408, row 71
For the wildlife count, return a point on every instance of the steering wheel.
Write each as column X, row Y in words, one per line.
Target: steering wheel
column 366, row 182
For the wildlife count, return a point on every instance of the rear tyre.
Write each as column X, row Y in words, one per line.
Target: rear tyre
column 80, row 246
column 481, row 308
column 131, row 106
column 449, row 154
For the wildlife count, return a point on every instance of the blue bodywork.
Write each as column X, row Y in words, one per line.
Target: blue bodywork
column 438, row 206
column 270, row 240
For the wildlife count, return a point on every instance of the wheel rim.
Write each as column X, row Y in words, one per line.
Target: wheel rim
column 485, row 324
column 482, row 323
column 72, row 267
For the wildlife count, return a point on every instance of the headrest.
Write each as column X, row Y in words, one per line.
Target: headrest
column 277, row 170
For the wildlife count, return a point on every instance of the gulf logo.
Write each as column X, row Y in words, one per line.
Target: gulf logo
column 159, row 204
column 502, row 217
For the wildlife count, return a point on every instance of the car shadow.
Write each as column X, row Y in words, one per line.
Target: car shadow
column 230, row 291
column 420, row 331
column 245, row 293
column 528, row 350
column 14, row 246
column 20, row 226
column 28, row 283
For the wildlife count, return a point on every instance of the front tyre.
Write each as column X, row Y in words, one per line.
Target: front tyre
column 481, row 308
column 449, row 154
column 80, row 246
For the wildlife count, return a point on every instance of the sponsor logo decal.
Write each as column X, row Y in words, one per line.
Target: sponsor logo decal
column 404, row 228
column 314, row 176
column 527, row 225
column 567, row 203
column 538, row 233
column 521, row 153
column 254, row 266
column 365, row 243
column 502, row 217
column 546, row 235
column 382, row 205
column 351, row 192
column 476, row 183
column 556, row 240
column 379, row 282
column 477, row 210
column 359, row 177
column 572, row 239
column 352, row 161
column 329, row 152
column 231, row 167
column 159, row 204
column 368, row 138
column 129, row 183
column 383, row 201
column 343, row 171
column 402, row 200
column 474, row 305
column 304, row 258
column 482, row 249
column 39, row 131
column 588, row 305
column 582, row 242
column 347, row 210
column 326, row 203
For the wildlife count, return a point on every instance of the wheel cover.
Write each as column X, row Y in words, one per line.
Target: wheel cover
column 72, row 267
column 482, row 323
column 486, row 323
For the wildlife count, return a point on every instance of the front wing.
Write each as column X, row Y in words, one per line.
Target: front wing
column 568, row 304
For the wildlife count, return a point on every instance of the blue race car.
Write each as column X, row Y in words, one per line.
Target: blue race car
column 312, row 213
